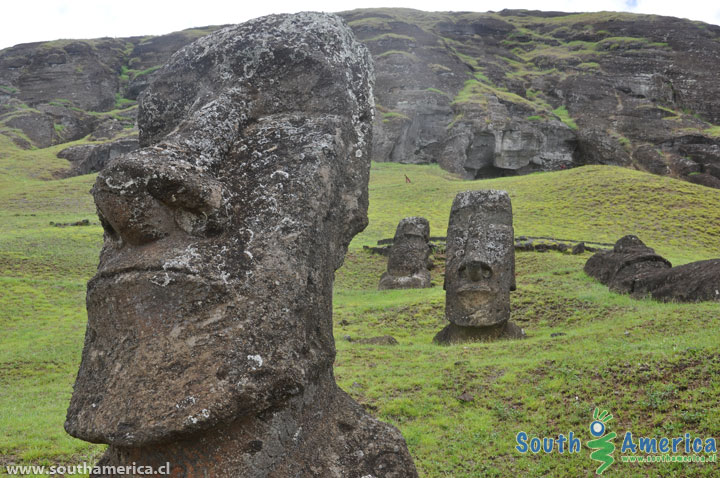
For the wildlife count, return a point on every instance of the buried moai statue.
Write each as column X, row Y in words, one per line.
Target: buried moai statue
column 633, row 268
column 479, row 269
column 209, row 342
column 408, row 262
column 629, row 260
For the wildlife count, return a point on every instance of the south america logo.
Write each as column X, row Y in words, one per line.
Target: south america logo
column 603, row 445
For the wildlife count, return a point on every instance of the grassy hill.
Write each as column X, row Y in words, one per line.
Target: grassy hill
column 653, row 365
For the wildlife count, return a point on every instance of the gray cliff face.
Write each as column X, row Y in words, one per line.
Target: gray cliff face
column 480, row 94
column 222, row 236
column 490, row 141
column 493, row 94
column 59, row 91
column 80, row 72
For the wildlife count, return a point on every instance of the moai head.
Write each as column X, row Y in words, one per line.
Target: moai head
column 212, row 299
column 480, row 259
column 410, row 250
column 628, row 261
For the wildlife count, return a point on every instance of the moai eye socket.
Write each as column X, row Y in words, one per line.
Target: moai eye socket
column 597, row 428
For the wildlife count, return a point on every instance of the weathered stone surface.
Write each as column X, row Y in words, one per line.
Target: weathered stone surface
column 480, row 264
column 693, row 282
column 629, row 261
column 479, row 267
column 409, row 256
column 487, row 101
column 578, row 248
column 209, row 340
column 481, row 94
column 633, row 268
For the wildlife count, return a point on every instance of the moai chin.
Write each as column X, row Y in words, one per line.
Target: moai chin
column 408, row 261
column 479, row 268
column 209, row 342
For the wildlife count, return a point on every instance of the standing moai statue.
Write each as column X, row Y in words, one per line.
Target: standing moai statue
column 409, row 256
column 209, row 342
column 479, row 269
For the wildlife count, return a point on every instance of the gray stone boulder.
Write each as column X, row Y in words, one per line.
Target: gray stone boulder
column 693, row 282
column 633, row 268
column 479, row 268
column 409, row 256
column 629, row 260
column 209, row 341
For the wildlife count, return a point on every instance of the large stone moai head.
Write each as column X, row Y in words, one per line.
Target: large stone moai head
column 408, row 262
column 479, row 269
column 480, row 259
column 212, row 299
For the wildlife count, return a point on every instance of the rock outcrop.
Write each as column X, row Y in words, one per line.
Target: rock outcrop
column 479, row 268
column 209, row 342
column 59, row 91
column 629, row 260
column 481, row 94
column 693, row 282
column 494, row 94
column 633, row 268
column 409, row 258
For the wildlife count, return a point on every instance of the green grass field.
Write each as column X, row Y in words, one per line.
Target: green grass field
column 655, row 366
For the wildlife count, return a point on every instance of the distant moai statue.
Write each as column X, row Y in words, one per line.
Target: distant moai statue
column 479, row 268
column 209, row 343
column 409, row 256
column 631, row 267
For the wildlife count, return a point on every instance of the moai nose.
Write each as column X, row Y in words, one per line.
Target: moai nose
column 477, row 270
column 127, row 211
column 140, row 201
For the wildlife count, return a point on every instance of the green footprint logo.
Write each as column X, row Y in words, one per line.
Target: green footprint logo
column 603, row 445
